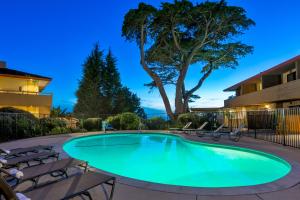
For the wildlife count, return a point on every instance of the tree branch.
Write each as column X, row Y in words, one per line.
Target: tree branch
column 199, row 84
column 205, row 76
column 177, row 45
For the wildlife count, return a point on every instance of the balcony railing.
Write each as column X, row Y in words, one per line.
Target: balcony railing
column 25, row 99
column 25, row 92
column 282, row 92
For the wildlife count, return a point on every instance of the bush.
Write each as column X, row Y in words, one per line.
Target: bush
column 129, row 121
column 156, row 123
column 27, row 128
column 115, row 121
column 6, row 128
column 59, row 130
column 48, row 124
column 92, row 124
column 78, row 130
column 198, row 120
column 211, row 118
column 17, row 125
column 124, row 121
column 183, row 119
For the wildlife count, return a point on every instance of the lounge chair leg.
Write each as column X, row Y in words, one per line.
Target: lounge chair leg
column 87, row 194
column 35, row 182
column 216, row 138
column 105, row 192
column 112, row 190
column 66, row 174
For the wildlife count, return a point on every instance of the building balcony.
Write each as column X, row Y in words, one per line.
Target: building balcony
column 16, row 98
column 279, row 93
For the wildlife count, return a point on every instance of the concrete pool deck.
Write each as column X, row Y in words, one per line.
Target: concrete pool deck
column 135, row 191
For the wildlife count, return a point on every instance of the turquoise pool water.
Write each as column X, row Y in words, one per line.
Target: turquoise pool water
column 168, row 159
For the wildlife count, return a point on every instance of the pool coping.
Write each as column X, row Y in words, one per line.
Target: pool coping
column 288, row 181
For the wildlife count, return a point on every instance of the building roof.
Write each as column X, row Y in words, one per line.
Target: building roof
column 16, row 73
column 275, row 68
column 205, row 109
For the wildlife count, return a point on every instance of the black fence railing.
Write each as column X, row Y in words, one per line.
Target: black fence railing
column 277, row 125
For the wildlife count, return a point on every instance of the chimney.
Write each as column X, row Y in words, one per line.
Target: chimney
column 2, row 64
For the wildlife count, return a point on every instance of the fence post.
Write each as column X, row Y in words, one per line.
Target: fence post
column 283, row 126
column 255, row 136
column 230, row 121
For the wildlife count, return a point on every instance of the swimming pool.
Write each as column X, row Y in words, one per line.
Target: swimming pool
column 172, row 160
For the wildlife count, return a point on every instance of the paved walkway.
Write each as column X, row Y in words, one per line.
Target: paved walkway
column 127, row 192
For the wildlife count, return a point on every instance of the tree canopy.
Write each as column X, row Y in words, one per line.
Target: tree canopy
column 89, row 95
column 101, row 92
column 59, row 112
column 181, row 34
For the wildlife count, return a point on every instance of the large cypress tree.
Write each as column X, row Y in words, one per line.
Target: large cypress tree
column 180, row 34
column 89, row 96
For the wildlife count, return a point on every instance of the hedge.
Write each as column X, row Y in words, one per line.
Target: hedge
column 124, row 121
column 17, row 124
column 92, row 124
column 156, row 123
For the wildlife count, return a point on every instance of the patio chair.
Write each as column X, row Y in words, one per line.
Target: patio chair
column 203, row 133
column 77, row 185
column 109, row 127
column 55, row 169
column 234, row 135
column 8, row 153
column 187, row 130
column 181, row 129
column 16, row 162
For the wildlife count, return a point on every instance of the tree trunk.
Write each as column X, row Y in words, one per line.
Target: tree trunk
column 179, row 98
column 155, row 78
column 186, row 105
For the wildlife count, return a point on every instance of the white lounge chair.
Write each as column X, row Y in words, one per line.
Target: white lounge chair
column 181, row 129
column 203, row 133
column 187, row 130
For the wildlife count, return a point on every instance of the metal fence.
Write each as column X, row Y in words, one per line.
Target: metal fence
column 23, row 125
column 278, row 125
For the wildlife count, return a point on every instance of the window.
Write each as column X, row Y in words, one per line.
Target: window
column 291, row 77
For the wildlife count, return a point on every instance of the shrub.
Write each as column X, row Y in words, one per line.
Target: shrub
column 78, row 130
column 6, row 128
column 129, row 121
column 156, row 123
column 211, row 118
column 115, row 121
column 183, row 119
column 92, row 124
column 59, row 130
column 198, row 120
column 124, row 121
column 26, row 127
column 48, row 124
column 18, row 125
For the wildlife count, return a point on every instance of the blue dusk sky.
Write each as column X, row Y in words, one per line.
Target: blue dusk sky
column 53, row 38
